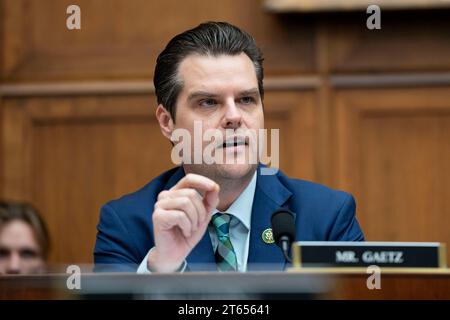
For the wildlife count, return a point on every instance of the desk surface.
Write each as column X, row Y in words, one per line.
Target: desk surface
column 312, row 283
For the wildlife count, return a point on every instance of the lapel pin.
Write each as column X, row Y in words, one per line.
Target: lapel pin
column 267, row 236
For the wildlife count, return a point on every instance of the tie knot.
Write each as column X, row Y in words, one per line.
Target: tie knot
column 221, row 222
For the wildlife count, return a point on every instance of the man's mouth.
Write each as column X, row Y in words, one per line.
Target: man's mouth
column 234, row 142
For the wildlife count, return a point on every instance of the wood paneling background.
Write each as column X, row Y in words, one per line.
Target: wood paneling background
column 363, row 111
column 393, row 150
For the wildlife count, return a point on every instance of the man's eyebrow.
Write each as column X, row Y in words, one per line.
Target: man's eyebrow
column 250, row 92
column 203, row 94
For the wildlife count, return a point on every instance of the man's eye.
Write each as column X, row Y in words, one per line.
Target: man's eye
column 246, row 100
column 208, row 103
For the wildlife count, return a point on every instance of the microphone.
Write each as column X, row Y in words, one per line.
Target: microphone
column 283, row 228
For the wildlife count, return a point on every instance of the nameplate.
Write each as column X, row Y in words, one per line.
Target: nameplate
column 362, row 254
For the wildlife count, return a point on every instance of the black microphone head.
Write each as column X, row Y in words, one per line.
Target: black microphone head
column 283, row 225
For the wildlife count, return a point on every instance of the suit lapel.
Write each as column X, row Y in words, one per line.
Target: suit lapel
column 173, row 180
column 270, row 195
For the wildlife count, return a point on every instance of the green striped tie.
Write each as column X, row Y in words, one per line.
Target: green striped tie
column 225, row 255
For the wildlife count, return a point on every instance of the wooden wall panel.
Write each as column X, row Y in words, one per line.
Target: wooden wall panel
column 393, row 152
column 107, row 159
column 121, row 39
column 1, row 147
column 295, row 115
column 407, row 41
column 79, row 160
column 15, row 145
column 69, row 155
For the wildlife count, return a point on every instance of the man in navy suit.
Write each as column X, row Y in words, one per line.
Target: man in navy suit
column 215, row 216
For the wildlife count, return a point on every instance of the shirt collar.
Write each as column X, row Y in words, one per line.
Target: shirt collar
column 241, row 208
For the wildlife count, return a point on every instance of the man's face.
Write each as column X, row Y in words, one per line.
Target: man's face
column 19, row 250
column 222, row 93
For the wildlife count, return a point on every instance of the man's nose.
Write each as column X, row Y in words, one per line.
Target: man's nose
column 233, row 116
column 13, row 266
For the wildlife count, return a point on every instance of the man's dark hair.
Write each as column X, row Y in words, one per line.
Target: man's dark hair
column 12, row 211
column 210, row 38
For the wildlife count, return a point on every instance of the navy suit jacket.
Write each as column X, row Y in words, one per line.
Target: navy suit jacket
column 125, row 230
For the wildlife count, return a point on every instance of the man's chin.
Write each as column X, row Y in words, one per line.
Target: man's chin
column 235, row 171
column 223, row 171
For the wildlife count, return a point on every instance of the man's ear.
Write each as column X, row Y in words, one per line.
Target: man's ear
column 165, row 121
